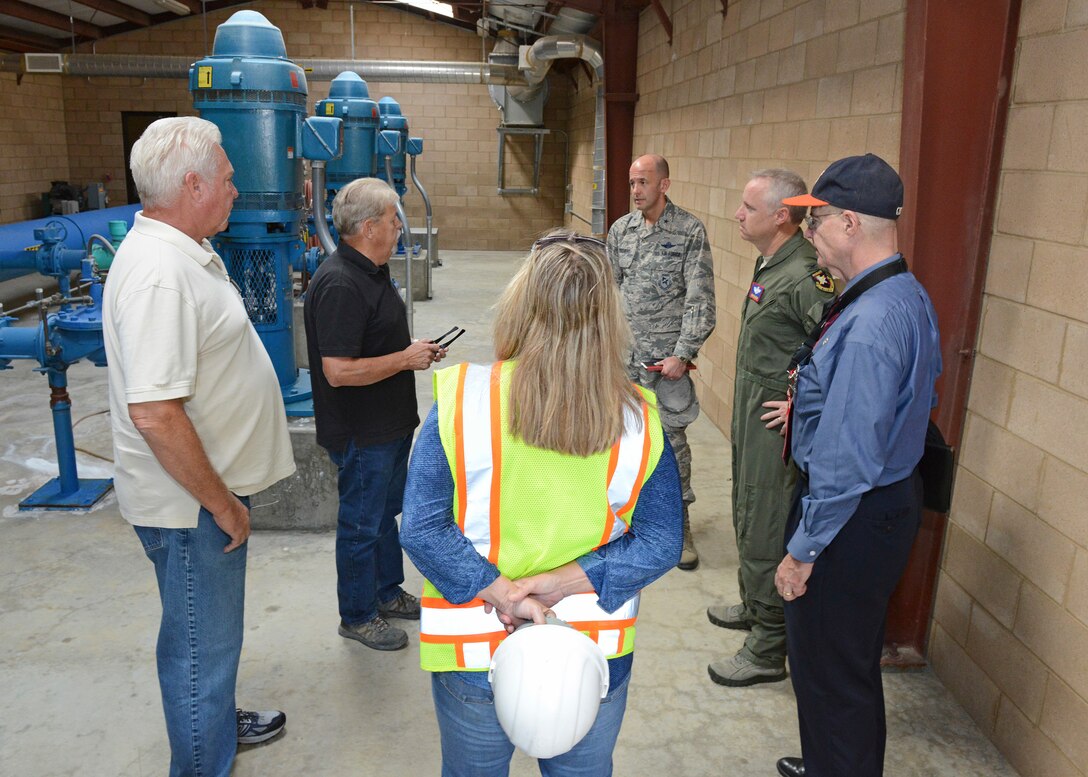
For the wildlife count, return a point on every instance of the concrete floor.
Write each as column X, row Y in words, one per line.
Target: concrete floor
column 79, row 613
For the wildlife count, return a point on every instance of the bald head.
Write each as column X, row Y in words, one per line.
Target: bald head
column 649, row 180
column 659, row 164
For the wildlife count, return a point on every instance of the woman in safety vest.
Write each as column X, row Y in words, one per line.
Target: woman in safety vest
column 540, row 483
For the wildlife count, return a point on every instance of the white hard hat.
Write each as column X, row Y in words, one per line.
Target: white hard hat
column 548, row 681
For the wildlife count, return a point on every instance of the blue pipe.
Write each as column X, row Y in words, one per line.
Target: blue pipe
column 15, row 238
column 61, row 405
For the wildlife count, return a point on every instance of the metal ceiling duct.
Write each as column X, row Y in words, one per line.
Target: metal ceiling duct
column 393, row 71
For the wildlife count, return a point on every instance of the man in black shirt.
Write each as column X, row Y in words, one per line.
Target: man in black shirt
column 361, row 361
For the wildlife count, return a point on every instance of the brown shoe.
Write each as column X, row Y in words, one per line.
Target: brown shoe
column 403, row 605
column 376, row 634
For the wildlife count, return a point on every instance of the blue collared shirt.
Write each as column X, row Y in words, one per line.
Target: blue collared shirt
column 618, row 570
column 862, row 404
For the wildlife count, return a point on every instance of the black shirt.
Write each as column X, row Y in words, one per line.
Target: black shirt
column 353, row 310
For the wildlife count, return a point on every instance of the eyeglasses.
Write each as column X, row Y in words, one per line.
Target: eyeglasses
column 572, row 238
column 813, row 220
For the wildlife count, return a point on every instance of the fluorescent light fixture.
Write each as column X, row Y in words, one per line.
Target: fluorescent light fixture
column 445, row 9
column 173, row 5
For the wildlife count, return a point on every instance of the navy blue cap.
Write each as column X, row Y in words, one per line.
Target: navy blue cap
column 866, row 184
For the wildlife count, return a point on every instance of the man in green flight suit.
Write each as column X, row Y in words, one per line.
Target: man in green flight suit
column 784, row 302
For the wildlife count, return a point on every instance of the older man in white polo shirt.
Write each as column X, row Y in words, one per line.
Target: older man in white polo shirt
column 198, row 426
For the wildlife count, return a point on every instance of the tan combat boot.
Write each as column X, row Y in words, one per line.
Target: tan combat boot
column 689, row 557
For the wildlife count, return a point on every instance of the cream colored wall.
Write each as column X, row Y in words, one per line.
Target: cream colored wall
column 783, row 83
column 34, row 141
column 1010, row 630
column 457, row 121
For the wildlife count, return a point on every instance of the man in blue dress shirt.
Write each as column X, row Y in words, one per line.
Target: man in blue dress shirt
column 862, row 394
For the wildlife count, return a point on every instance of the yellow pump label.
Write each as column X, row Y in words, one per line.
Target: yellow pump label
column 204, row 77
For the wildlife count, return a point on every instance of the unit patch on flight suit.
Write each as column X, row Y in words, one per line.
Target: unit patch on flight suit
column 755, row 292
column 824, row 282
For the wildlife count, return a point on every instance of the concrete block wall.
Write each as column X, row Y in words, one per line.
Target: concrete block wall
column 1011, row 620
column 34, row 138
column 458, row 122
column 783, row 83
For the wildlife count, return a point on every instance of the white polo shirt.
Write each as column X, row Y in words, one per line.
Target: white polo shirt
column 175, row 327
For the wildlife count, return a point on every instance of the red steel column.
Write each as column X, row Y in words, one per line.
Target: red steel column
column 958, row 68
column 620, row 36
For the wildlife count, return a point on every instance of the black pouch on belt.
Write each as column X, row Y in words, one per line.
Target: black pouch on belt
column 937, row 468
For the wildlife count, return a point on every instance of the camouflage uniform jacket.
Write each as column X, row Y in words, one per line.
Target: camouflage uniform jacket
column 666, row 278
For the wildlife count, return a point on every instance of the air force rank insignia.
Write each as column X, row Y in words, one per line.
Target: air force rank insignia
column 755, row 292
column 823, row 282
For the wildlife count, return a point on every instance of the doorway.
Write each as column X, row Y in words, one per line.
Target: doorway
column 133, row 124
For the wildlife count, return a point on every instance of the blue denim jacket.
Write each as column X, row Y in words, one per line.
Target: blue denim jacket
column 618, row 570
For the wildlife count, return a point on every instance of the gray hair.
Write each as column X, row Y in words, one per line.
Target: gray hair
column 784, row 183
column 167, row 151
column 875, row 225
column 363, row 199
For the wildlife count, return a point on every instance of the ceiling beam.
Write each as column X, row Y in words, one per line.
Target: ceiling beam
column 57, row 21
column 194, row 5
column 120, row 10
column 25, row 42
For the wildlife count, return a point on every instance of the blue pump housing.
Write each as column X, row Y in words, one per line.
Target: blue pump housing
column 393, row 119
column 257, row 98
column 349, row 99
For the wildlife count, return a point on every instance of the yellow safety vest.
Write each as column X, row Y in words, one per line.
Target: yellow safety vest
column 529, row 510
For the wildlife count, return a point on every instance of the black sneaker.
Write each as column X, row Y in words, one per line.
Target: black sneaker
column 254, row 726
column 403, row 605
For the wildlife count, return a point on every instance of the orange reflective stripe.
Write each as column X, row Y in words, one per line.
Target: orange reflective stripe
column 442, row 604
column 496, row 458
column 610, row 517
column 459, row 642
column 459, row 438
column 643, row 464
column 594, row 627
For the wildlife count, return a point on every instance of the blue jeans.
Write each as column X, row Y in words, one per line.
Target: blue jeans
column 369, row 564
column 474, row 744
column 200, row 639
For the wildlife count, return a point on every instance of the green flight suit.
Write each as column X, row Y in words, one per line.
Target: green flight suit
column 783, row 304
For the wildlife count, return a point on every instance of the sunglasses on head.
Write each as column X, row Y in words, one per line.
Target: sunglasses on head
column 574, row 238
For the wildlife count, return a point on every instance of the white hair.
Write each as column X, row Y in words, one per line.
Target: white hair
column 167, row 151
column 364, row 199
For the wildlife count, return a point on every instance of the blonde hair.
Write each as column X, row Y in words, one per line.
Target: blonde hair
column 561, row 318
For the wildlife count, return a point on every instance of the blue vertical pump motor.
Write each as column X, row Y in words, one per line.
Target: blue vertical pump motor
column 393, row 119
column 257, row 98
column 349, row 99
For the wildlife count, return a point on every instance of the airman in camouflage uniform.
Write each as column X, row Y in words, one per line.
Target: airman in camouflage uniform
column 784, row 303
column 662, row 263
